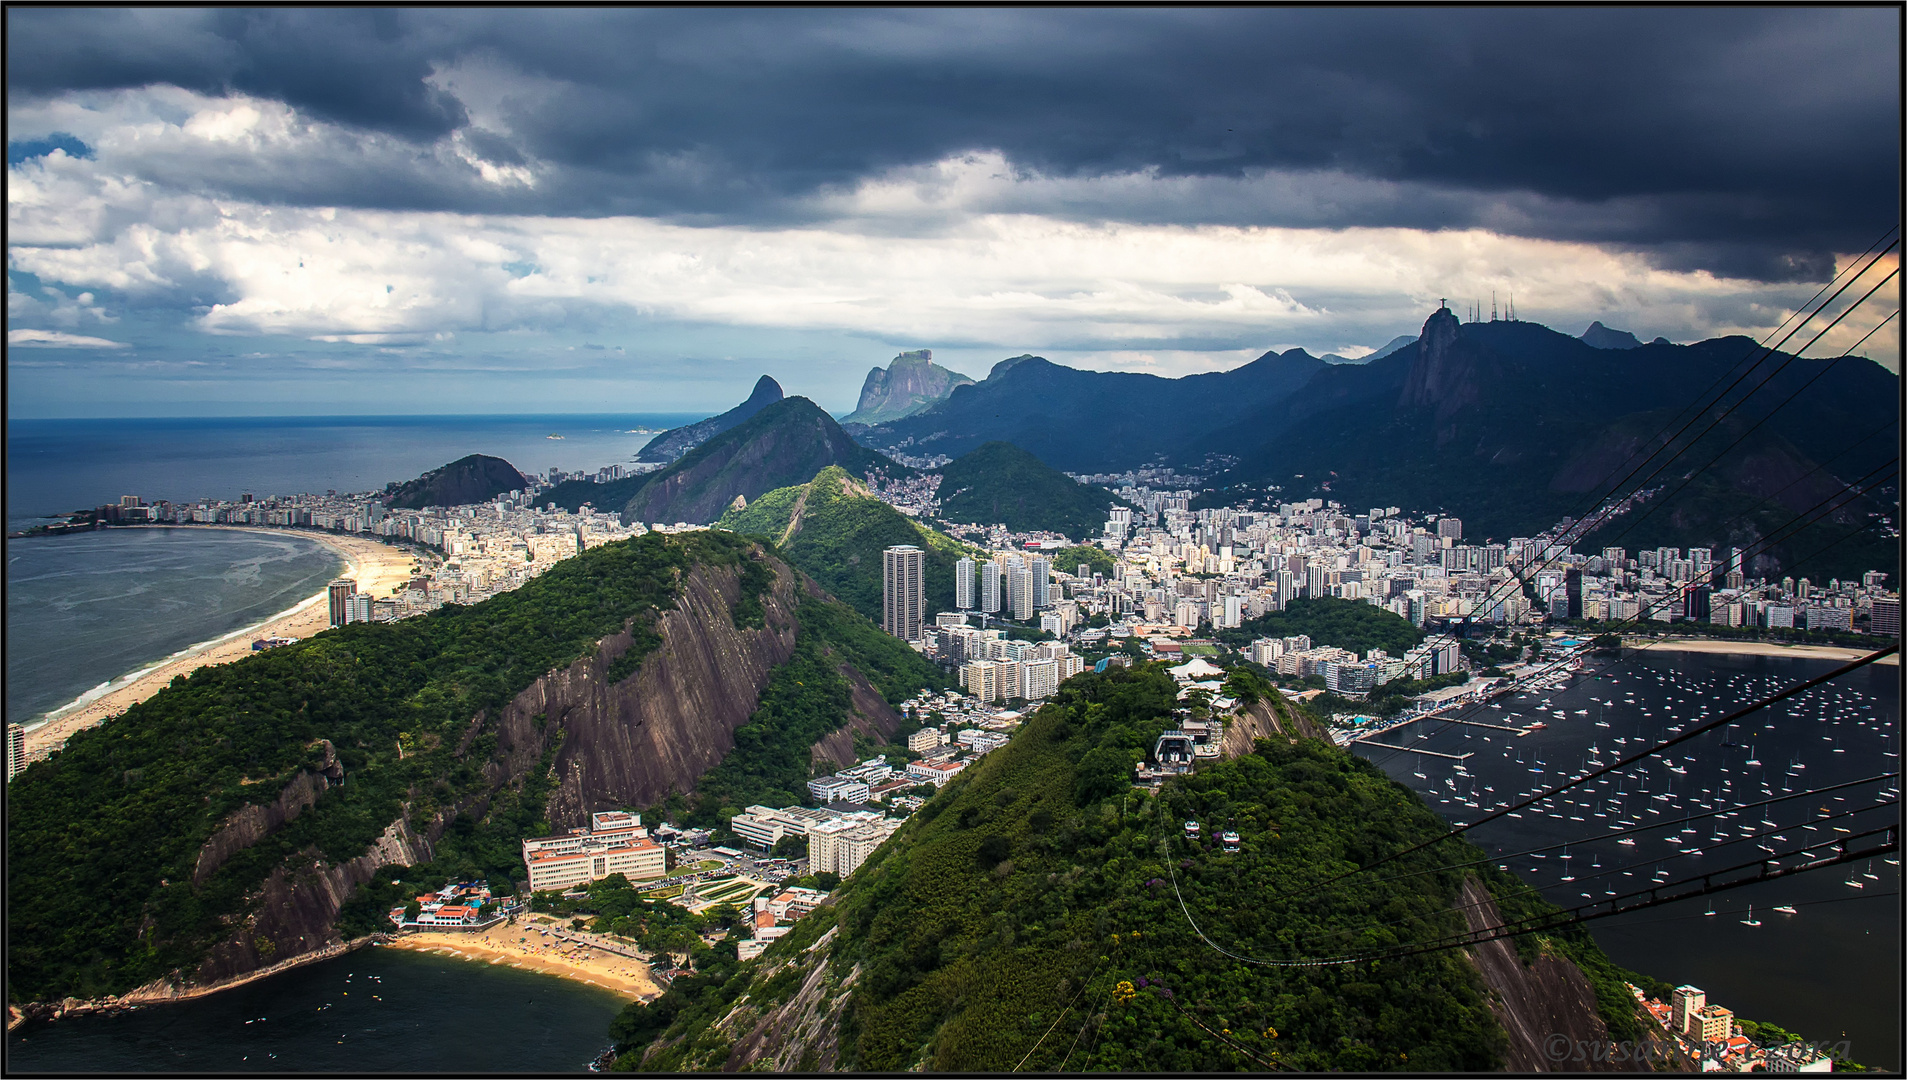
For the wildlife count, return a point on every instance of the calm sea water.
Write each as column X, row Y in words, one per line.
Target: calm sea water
column 1831, row 970
column 57, row 466
column 374, row 1011
column 84, row 609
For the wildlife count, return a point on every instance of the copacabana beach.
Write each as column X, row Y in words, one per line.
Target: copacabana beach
column 377, row 567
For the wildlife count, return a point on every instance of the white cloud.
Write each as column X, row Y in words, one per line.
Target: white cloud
column 59, row 339
column 964, row 253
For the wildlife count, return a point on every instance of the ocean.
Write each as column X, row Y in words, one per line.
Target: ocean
column 377, row 1010
column 85, row 609
column 57, row 466
column 1830, row 970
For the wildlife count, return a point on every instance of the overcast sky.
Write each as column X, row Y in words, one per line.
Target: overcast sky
column 351, row 210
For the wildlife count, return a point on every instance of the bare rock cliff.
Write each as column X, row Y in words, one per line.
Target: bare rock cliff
column 1545, row 1004
column 872, row 716
column 631, row 743
column 1265, row 719
column 627, row 743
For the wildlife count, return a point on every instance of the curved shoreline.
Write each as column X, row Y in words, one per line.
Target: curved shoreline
column 518, row 947
column 374, row 564
column 1726, row 646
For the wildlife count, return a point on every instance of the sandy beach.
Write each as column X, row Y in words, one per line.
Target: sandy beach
column 378, row 568
column 520, row 946
column 1757, row 648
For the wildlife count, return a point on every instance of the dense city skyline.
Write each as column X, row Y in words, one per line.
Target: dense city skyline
column 403, row 211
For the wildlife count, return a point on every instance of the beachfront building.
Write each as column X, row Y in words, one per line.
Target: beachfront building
column 16, row 750
column 615, row 843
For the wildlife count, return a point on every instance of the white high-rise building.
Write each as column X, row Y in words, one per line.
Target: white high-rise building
column 990, row 587
column 903, row 591
column 1019, row 582
column 16, row 750
column 1042, row 570
column 963, row 584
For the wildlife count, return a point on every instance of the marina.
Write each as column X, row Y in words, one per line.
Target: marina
column 1769, row 785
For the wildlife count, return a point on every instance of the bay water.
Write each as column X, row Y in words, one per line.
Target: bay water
column 1831, row 970
column 377, row 1010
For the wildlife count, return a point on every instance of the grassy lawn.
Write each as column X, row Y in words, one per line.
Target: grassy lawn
column 695, row 869
column 1199, row 650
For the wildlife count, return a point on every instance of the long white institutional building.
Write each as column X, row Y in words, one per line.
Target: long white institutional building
column 615, row 843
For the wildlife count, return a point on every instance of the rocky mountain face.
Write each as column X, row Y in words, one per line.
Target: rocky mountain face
column 474, row 479
column 910, row 383
column 783, row 445
column 672, row 444
column 1602, row 337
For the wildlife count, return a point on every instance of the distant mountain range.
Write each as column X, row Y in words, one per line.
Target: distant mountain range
column 1509, row 425
column 910, row 383
column 1395, row 344
column 1093, row 420
column 473, row 479
column 1602, row 337
column 672, row 444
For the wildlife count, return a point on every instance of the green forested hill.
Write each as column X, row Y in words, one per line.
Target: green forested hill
column 999, row 483
column 841, row 530
column 994, row 933
column 611, row 496
column 104, row 838
column 1344, row 624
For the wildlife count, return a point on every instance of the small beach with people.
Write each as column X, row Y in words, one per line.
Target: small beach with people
column 529, row 946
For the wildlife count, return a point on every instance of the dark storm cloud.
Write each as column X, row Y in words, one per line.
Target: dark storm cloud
column 1746, row 141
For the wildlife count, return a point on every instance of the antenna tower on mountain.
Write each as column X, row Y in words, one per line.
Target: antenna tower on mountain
column 1492, row 305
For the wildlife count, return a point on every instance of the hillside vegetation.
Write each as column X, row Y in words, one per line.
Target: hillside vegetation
column 840, row 530
column 109, row 882
column 610, row 496
column 103, row 838
column 1001, row 484
column 1327, row 620
column 1029, row 917
column 467, row 480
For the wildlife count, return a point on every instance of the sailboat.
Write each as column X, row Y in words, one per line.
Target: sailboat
column 1711, row 908
column 1751, row 920
column 1752, row 761
column 1787, row 909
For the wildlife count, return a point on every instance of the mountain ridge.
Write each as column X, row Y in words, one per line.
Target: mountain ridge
column 669, row 446
column 782, row 445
